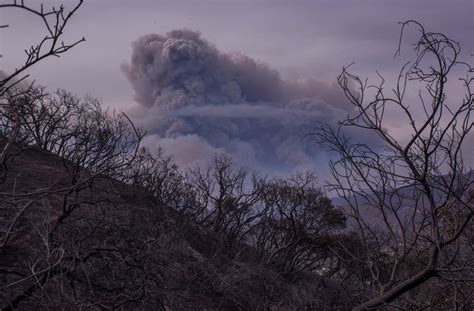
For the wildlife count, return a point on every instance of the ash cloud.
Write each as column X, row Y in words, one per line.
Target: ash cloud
column 195, row 101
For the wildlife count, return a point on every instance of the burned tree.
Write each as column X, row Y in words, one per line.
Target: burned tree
column 54, row 21
column 228, row 200
column 408, row 199
column 298, row 225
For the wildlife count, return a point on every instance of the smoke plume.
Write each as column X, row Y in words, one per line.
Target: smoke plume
column 196, row 101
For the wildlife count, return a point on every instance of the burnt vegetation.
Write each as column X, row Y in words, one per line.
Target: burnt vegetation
column 91, row 219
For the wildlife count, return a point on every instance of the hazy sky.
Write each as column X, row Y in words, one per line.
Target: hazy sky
column 300, row 39
column 309, row 38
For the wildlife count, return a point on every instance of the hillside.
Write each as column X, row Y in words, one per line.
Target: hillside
column 101, row 244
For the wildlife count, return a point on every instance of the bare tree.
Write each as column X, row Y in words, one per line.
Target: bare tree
column 407, row 199
column 55, row 21
column 44, row 119
column 298, row 225
column 93, row 147
column 229, row 198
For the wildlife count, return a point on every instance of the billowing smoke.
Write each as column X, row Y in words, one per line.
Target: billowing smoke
column 196, row 101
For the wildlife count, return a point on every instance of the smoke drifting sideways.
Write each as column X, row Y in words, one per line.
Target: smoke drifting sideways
column 196, row 101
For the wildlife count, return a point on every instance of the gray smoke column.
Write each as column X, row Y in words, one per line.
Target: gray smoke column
column 180, row 69
column 196, row 101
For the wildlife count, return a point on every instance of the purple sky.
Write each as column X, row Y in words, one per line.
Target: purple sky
column 300, row 39
column 309, row 38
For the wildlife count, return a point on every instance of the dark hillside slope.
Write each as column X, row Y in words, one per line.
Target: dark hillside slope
column 74, row 241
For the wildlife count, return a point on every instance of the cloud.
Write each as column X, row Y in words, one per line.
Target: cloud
column 196, row 101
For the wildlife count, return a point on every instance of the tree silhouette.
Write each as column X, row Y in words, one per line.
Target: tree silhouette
column 408, row 199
